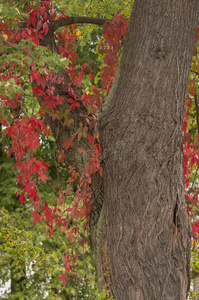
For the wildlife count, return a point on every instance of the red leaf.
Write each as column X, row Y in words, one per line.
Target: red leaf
column 67, row 264
column 52, row 14
column 192, row 90
column 73, row 106
column 69, row 209
column 90, row 140
column 110, row 59
column 68, row 143
column 188, row 137
column 63, row 279
column 22, row 199
column 197, row 37
column 91, row 76
column 39, row 24
column 70, row 100
column 83, row 151
column 43, row 177
column 36, row 217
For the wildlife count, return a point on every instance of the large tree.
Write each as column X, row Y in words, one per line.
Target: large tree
column 139, row 228
column 146, row 231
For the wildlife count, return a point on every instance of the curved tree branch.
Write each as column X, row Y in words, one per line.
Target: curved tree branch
column 77, row 20
column 48, row 40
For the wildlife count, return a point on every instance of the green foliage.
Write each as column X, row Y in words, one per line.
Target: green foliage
column 95, row 8
column 23, row 243
column 195, row 261
column 193, row 295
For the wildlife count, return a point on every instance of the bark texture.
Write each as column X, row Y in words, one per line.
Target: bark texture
column 144, row 230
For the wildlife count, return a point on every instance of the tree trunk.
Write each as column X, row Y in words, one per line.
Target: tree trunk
column 144, row 230
column 18, row 277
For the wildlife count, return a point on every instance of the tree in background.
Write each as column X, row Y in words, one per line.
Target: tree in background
column 136, row 211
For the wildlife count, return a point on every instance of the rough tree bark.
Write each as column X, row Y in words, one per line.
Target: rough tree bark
column 144, row 231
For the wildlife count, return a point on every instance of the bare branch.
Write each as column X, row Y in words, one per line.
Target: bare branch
column 77, row 20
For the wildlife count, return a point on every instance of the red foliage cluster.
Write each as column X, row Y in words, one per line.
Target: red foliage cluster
column 25, row 132
column 191, row 161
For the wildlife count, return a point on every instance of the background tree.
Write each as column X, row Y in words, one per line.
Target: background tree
column 139, row 228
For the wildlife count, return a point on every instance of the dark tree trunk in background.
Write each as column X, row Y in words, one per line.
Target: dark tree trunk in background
column 144, row 231
column 18, row 277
